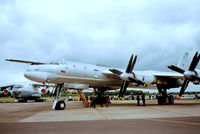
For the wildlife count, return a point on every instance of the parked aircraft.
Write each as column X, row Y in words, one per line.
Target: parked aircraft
column 24, row 92
column 76, row 75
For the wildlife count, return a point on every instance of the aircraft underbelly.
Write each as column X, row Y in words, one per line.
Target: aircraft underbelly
column 92, row 82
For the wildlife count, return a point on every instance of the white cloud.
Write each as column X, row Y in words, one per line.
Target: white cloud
column 98, row 31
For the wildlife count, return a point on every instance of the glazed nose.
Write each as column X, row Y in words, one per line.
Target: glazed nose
column 36, row 76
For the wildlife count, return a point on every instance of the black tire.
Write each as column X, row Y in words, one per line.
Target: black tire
column 160, row 100
column 167, row 100
column 171, row 100
column 22, row 100
column 60, row 105
column 39, row 100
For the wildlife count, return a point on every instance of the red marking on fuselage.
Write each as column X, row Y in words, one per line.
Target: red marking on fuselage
column 62, row 71
column 5, row 92
column 43, row 91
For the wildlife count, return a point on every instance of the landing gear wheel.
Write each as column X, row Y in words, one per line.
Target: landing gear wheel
column 39, row 100
column 60, row 105
column 160, row 100
column 171, row 100
column 167, row 100
column 22, row 100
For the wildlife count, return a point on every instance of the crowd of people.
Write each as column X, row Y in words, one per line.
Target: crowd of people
column 106, row 100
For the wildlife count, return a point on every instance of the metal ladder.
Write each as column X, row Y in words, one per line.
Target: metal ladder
column 83, row 99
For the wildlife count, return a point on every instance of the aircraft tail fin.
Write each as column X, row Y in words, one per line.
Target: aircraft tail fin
column 183, row 62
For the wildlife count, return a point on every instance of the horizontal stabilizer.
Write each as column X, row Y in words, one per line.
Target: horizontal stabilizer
column 28, row 62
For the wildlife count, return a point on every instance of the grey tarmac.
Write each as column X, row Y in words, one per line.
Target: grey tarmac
column 119, row 117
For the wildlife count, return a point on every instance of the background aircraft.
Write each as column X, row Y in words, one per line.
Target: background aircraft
column 24, row 92
column 67, row 74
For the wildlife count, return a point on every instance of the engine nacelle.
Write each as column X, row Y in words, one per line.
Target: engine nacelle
column 188, row 74
column 197, row 73
column 126, row 76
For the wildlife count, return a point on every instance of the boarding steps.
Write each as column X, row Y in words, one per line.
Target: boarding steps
column 83, row 99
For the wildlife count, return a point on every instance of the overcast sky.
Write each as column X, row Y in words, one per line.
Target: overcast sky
column 97, row 31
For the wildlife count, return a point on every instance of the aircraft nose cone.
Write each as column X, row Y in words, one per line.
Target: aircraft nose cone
column 36, row 76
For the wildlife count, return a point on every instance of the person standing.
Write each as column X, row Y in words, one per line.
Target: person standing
column 107, row 100
column 138, row 100
column 143, row 99
column 86, row 97
column 93, row 101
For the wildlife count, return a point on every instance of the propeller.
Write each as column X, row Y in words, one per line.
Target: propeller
column 190, row 74
column 127, row 76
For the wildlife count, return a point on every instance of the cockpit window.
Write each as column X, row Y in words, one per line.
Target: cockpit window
column 56, row 62
column 59, row 62
column 18, row 86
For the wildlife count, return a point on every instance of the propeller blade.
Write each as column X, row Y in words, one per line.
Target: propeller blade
column 129, row 64
column 115, row 71
column 194, row 62
column 176, row 69
column 196, row 78
column 133, row 64
column 137, row 81
column 129, row 69
column 184, row 86
column 123, row 88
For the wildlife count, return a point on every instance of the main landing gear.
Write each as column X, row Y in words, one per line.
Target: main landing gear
column 164, row 98
column 101, row 99
column 58, row 104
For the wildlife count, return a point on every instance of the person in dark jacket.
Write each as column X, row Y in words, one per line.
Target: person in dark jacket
column 107, row 99
column 138, row 100
column 93, row 101
column 143, row 99
column 86, row 97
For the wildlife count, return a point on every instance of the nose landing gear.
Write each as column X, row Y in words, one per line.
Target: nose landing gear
column 58, row 104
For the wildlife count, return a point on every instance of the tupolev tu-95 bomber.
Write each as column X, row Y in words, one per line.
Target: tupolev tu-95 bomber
column 76, row 75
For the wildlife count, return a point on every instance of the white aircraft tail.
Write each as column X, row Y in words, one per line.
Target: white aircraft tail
column 183, row 63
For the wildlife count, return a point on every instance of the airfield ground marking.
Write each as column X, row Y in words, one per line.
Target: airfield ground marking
column 178, row 122
column 101, row 113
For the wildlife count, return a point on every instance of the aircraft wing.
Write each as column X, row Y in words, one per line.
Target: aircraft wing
column 4, row 87
column 23, row 61
column 110, row 74
column 169, row 76
column 169, row 80
column 43, row 85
